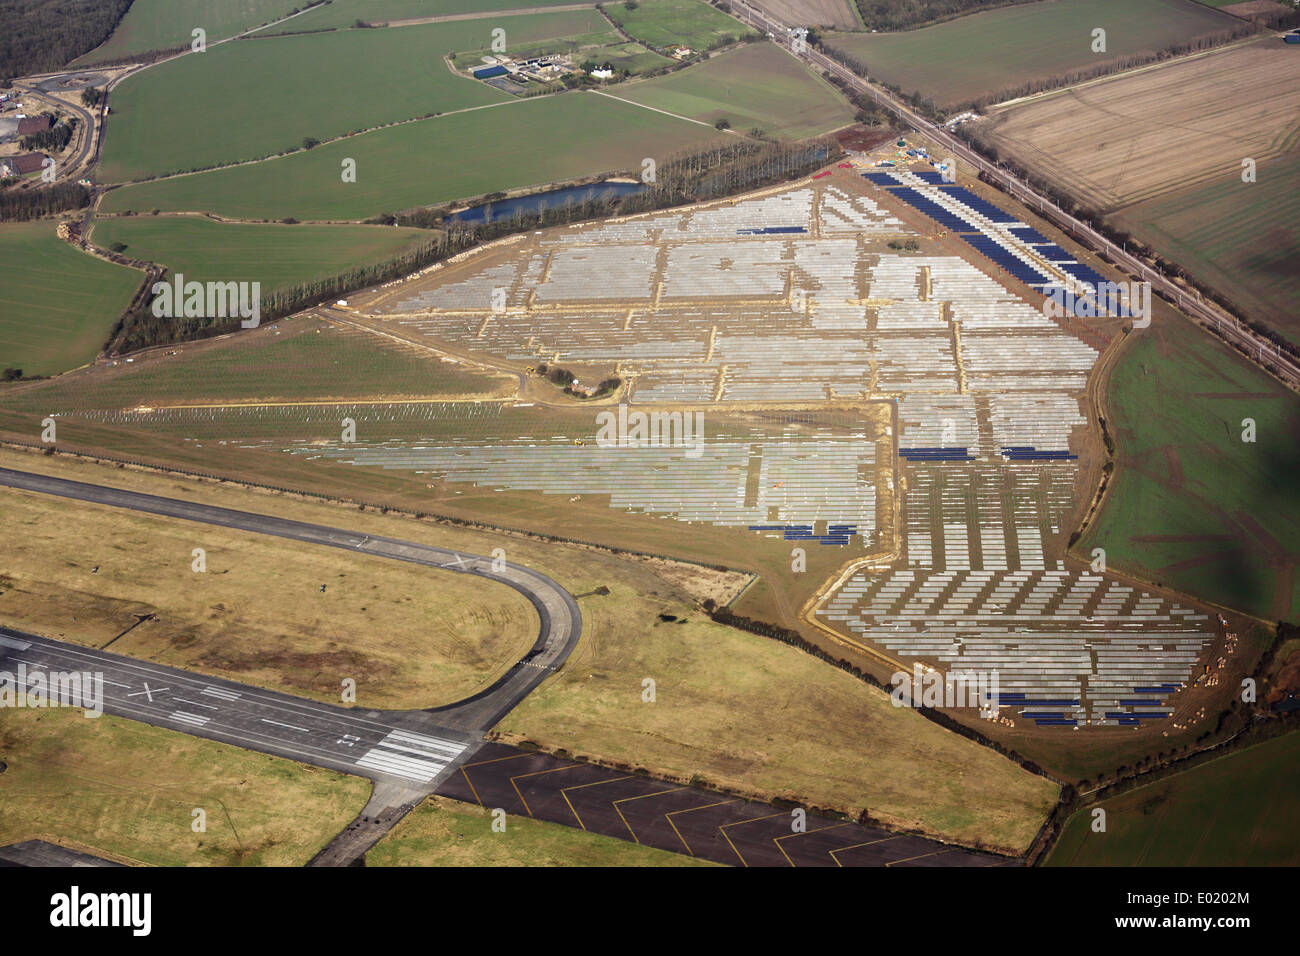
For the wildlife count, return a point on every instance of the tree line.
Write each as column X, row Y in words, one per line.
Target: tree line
column 710, row 173
column 906, row 14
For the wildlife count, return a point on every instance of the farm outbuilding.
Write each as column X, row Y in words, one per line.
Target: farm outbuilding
column 488, row 72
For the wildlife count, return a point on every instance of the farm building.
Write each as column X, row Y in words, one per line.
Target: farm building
column 34, row 124
column 21, row 165
column 490, row 72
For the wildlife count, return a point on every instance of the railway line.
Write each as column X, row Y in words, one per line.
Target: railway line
column 1260, row 350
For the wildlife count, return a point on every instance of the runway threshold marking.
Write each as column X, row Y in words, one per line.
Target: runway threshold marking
column 392, row 755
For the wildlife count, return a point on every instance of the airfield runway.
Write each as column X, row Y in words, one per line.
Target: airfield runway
column 561, row 620
column 409, row 754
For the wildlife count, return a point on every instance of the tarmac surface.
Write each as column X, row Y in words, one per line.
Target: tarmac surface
column 410, row 754
column 561, row 620
column 32, row 853
column 684, row 819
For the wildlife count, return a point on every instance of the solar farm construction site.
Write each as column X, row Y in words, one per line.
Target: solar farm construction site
column 916, row 410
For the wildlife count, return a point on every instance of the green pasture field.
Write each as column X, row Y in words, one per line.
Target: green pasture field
column 344, row 13
column 670, row 23
column 443, row 832
column 296, row 360
column 167, row 24
column 575, row 43
column 1240, row 810
column 632, row 57
column 1193, row 506
column 257, row 97
column 755, row 86
column 1240, row 238
column 278, row 256
column 57, row 305
column 524, row 142
column 963, row 60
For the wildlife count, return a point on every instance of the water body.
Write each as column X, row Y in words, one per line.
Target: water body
column 505, row 208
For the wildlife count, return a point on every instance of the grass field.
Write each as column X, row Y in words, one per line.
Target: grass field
column 746, row 712
column 551, row 139
column 442, row 832
column 1240, row 238
column 343, row 13
column 277, row 256
column 795, row 725
column 963, row 60
column 1192, row 505
column 57, row 305
column 1239, row 810
column 408, row 636
column 254, row 98
column 670, row 23
column 632, row 57
column 127, row 790
column 167, row 24
column 297, row 360
column 755, row 86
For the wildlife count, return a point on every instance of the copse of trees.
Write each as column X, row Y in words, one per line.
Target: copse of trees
column 42, row 36
column 20, row 205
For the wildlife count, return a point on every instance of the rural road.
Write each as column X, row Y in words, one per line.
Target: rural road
column 1223, row 324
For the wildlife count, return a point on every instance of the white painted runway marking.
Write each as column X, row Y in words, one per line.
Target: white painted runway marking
column 193, row 703
column 218, row 692
column 290, row 726
column 147, row 692
column 192, row 719
column 14, row 644
column 391, row 755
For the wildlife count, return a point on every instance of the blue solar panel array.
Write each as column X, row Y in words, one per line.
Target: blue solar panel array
column 1082, row 273
column 1030, row 453
column 1021, row 270
column 836, row 534
column 931, row 176
column 936, row 454
column 1052, row 252
column 1125, row 717
column 1029, row 234
column 932, row 209
column 881, row 179
column 771, row 231
column 981, row 206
